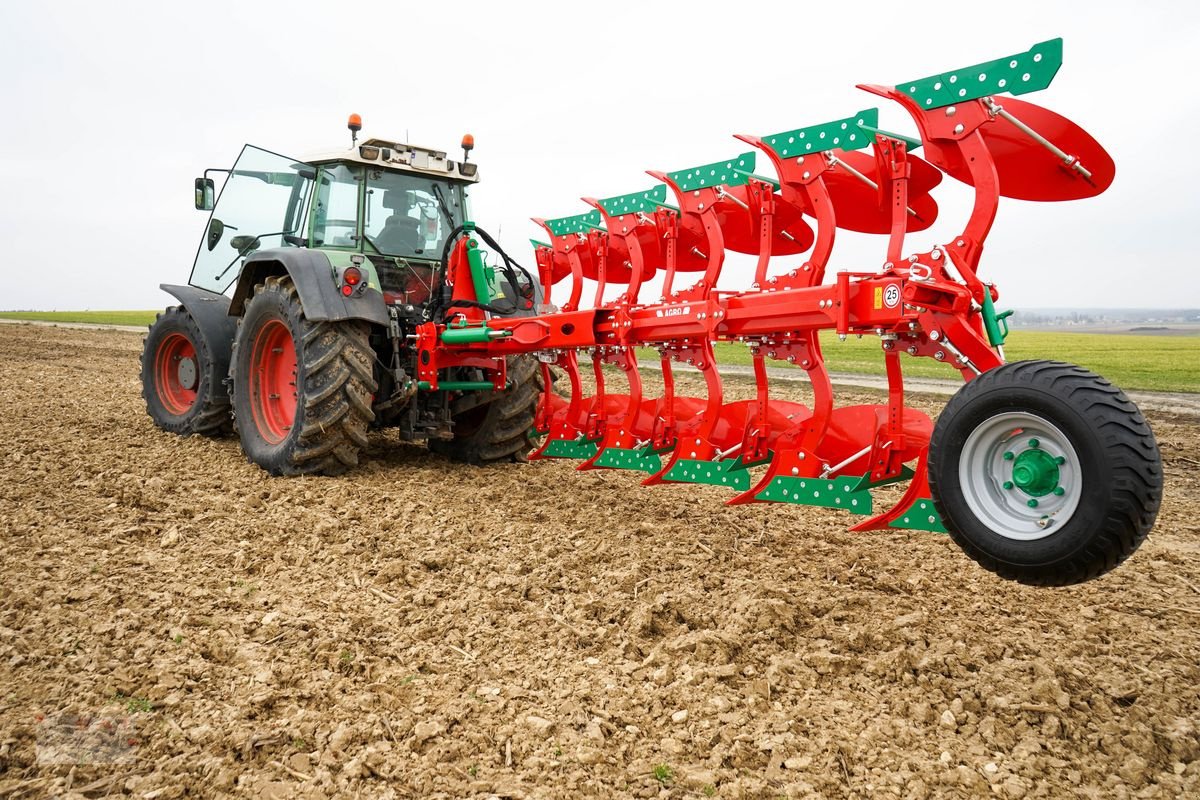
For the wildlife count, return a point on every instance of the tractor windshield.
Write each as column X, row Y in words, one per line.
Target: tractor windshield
column 262, row 205
column 411, row 215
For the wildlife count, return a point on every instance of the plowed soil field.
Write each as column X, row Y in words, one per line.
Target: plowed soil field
column 175, row 623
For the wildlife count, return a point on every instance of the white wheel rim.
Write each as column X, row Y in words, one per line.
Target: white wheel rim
column 1000, row 499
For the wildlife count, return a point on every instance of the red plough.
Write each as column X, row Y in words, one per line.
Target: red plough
column 1007, row 470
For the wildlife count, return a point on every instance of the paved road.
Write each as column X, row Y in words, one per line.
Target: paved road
column 1174, row 402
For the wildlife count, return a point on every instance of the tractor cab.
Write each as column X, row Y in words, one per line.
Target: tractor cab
column 385, row 208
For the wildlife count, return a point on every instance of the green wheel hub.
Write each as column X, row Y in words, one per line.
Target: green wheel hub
column 1035, row 472
column 1020, row 475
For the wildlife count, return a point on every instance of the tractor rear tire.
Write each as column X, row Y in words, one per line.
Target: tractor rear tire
column 302, row 391
column 183, row 393
column 501, row 430
column 1045, row 473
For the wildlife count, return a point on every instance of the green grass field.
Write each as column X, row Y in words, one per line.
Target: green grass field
column 140, row 318
column 1150, row 363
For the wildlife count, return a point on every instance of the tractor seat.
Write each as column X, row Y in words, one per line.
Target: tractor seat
column 401, row 233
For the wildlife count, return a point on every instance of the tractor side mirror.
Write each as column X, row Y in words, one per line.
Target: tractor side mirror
column 205, row 194
column 216, row 229
column 245, row 244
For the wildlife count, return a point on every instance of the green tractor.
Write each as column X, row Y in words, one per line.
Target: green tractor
column 333, row 262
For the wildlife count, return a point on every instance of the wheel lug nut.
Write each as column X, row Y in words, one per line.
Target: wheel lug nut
column 1034, row 442
column 1060, row 491
column 1008, row 484
column 1060, row 460
column 1032, row 503
column 1009, row 456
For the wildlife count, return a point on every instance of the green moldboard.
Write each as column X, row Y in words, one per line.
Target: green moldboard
column 580, row 223
column 843, row 492
column 646, row 202
column 729, row 472
column 570, row 448
column 920, row 516
column 641, row 459
column 846, row 134
column 733, row 172
column 910, row 142
column 1017, row 74
column 865, row 481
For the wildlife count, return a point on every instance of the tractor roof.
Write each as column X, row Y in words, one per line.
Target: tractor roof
column 398, row 156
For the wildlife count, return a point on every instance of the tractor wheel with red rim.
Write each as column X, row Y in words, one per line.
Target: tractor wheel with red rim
column 183, row 393
column 302, row 390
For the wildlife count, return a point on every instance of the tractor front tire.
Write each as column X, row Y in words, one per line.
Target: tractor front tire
column 1045, row 473
column 183, row 393
column 302, row 390
column 502, row 429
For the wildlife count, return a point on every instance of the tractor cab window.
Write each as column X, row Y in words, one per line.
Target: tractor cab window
column 335, row 215
column 262, row 205
column 411, row 215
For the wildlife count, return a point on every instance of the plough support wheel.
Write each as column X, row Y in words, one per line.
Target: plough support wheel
column 1045, row 473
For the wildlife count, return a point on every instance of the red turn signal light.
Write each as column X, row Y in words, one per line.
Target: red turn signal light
column 352, row 276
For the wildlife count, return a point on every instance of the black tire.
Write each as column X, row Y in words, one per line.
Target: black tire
column 501, row 430
column 1111, row 478
column 183, row 398
column 334, row 384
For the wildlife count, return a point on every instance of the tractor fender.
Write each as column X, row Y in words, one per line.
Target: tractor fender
column 211, row 314
column 313, row 276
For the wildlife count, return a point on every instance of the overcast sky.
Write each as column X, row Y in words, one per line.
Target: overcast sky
column 111, row 109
